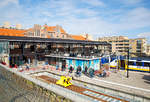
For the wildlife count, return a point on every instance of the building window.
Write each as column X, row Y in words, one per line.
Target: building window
column 51, row 34
column 30, row 34
column 139, row 41
column 43, row 35
column 63, row 36
column 57, row 35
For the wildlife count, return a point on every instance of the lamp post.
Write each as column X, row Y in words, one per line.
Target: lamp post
column 128, row 64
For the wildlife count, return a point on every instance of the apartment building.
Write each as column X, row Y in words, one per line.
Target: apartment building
column 148, row 49
column 138, row 45
column 121, row 44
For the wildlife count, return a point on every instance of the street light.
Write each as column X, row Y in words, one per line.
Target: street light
column 128, row 64
column 130, row 47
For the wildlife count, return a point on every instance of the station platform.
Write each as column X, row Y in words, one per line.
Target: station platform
column 137, row 84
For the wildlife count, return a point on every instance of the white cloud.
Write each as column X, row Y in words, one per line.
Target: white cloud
column 68, row 15
column 134, row 19
column 86, row 12
column 69, row 8
column 130, row 1
column 46, row 13
column 93, row 25
column 4, row 3
column 94, row 2
column 145, row 34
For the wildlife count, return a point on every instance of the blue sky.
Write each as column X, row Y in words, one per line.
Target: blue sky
column 97, row 17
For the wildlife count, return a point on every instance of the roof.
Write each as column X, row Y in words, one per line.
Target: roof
column 78, row 37
column 50, row 28
column 19, row 32
column 12, row 32
column 30, row 29
column 62, row 30
column 50, row 40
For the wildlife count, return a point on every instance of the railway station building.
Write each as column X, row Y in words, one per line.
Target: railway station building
column 49, row 45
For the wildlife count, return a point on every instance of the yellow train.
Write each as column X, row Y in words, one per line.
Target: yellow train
column 134, row 65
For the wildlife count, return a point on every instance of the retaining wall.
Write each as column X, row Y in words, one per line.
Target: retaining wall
column 54, row 92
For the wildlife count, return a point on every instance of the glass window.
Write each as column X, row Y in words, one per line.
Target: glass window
column 51, row 34
column 131, row 63
column 139, row 41
column 146, row 64
column 139, row 63
column 3, row 47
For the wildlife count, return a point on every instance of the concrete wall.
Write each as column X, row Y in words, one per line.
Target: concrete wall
column 32, row 85
column 55, row 92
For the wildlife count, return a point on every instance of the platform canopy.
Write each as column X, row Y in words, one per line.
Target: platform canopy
column 50, row 40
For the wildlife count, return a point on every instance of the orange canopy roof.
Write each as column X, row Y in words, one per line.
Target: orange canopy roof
column 53, row 29
column 11, row 32
column 78, row 37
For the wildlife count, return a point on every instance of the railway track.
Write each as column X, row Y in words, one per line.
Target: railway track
column 82, row 89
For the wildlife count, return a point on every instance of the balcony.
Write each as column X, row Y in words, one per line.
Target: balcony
column 73, row 55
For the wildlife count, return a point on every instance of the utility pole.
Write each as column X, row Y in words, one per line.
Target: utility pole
column 128, row 65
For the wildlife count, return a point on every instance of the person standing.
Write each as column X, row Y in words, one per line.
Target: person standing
column 71, row 69
column 85, row 71
column 63, row 67
column 91, row 72
column 27, row 67
column 78, row 72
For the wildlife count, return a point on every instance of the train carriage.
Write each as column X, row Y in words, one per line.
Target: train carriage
column 134, row 65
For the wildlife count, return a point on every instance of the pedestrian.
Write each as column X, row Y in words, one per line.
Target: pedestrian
column 71, row 69
column 104, row 73
column 20, row 69
column 63, row 68
column 85, row 70
column 15, row 66
column 78, row 72
column 91, row 72
column 27, row 67
column 57, row 66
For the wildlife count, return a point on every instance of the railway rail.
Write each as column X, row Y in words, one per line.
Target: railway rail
column 20, row 92
column 96, row 95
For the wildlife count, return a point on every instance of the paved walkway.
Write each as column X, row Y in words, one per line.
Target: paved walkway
column 135, row 79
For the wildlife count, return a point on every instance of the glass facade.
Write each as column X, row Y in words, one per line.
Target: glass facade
column 4, row 48
column 4, row 52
